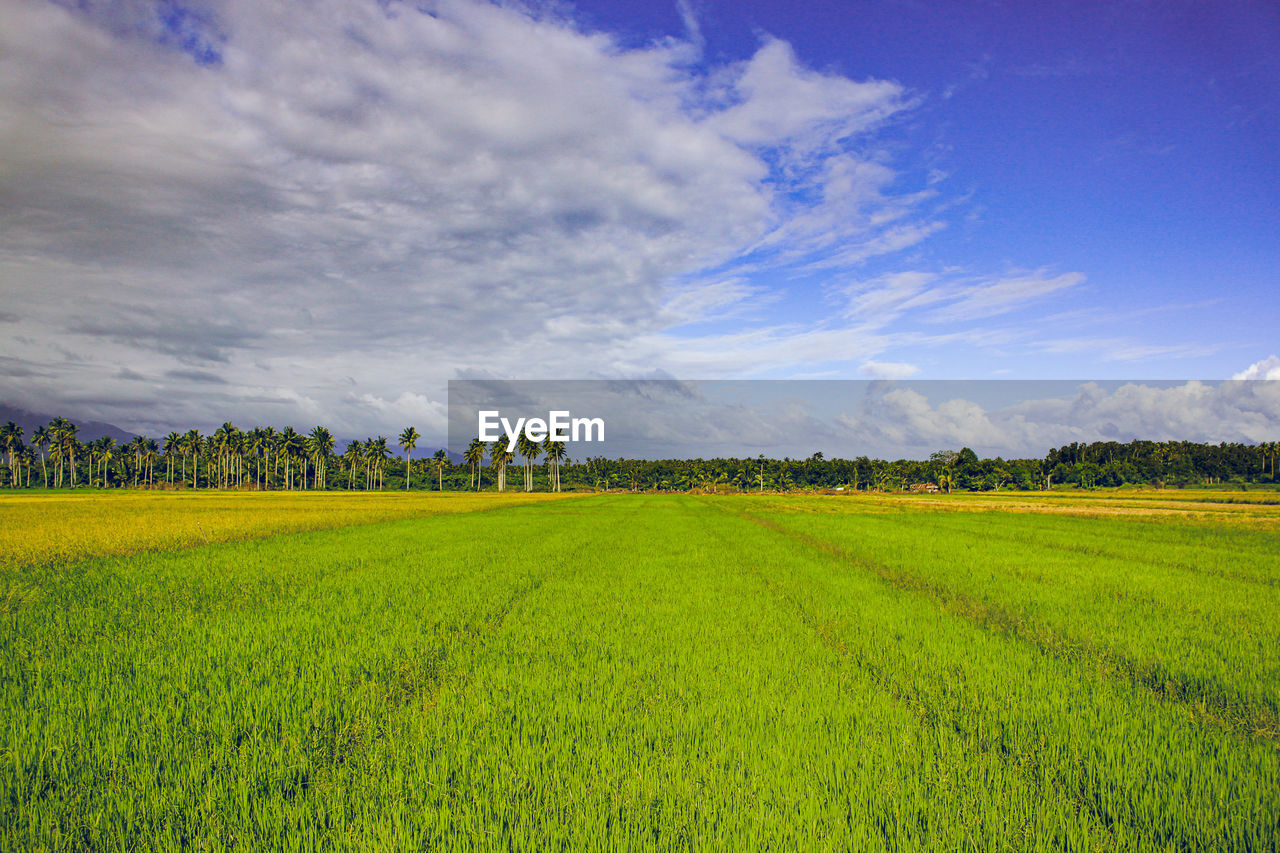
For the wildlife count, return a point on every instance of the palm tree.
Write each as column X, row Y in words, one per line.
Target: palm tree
column 408, row 443
column 106, row 453
column 136, row 447
column 320, row 446
column 93, row 450
column 507, row 458
column 55, row 449
column 530, row 450
column 475, row 456
column 11, row 436
column 441, row 460
column 296, row 451
column 233, row 454
column 367, row 458
column 268, row 442
column 288, row 449
column 355, row 451
column 556, row 452
column 172, row 442
column 70, row 444
column 192, row 444
column 40, row 440
column 25, row 458
column 378, row 453
column 499, row 458
column 150, row 449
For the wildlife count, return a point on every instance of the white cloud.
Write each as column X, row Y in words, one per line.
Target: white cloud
column 888, row 370
column 905, row 420
column 1268, row 368
column 334, row 211
column 366, row 194
column 983, row 299
column 777, row 100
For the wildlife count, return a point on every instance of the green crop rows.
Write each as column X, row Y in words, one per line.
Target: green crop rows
column 664, row 672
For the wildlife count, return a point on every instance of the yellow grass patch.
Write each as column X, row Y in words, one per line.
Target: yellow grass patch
column 1217, row 507
column 38, row 529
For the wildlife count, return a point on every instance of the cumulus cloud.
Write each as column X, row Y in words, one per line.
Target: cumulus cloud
column 246, row 209
column 1268, row 368
column 937, row 415
column 372, row 193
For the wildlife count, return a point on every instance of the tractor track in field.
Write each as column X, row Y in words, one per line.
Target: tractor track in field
column 825, row 632
column 1097, row 551
column 420, row 680
column 1201, row 699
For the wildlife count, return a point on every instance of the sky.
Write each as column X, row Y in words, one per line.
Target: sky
column 846, row 418
column 322, row 212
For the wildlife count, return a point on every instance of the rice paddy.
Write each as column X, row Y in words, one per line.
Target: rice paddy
column 645, row 671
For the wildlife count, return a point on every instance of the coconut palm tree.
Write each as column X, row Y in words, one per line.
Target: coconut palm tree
column 11, row 437
column 475, row 456
column 70, row 444
column 556, row 452
column 297, row 452
column 408, row 443
column 530, row 450
column 55, row 450
column 320, row 446
column 287, row 449
column 355, row 452
column 267, row 446
column 499, row 458
column 367, row 457
column 441, row 461
column 26, row 459
column 378, row 452
column 40, row 440
column 135, row 448
column 192, row 445
column 106, row 447
column 172, row 442
column 234, row 456
column 150, row 450
column 253, row 450
column 93, row 450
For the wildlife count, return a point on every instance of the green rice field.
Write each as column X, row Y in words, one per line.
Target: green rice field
column 671, row 672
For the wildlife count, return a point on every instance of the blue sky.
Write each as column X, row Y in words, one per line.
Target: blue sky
column 1136, row 143
column 322, row 212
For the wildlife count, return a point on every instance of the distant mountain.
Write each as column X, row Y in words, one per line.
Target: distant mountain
column 419, row 455
column 89, row 430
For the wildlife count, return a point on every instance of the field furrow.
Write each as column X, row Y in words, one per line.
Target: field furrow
column 1065, row 717
column 1242, row 556
column 1205, row 642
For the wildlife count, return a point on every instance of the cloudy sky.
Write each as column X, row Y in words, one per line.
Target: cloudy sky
column 888, row 419
column 320, row 212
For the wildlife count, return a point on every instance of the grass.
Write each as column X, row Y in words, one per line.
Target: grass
column 64, row 526
column 668, row 672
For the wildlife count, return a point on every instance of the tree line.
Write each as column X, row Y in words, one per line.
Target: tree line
column 263, row 458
